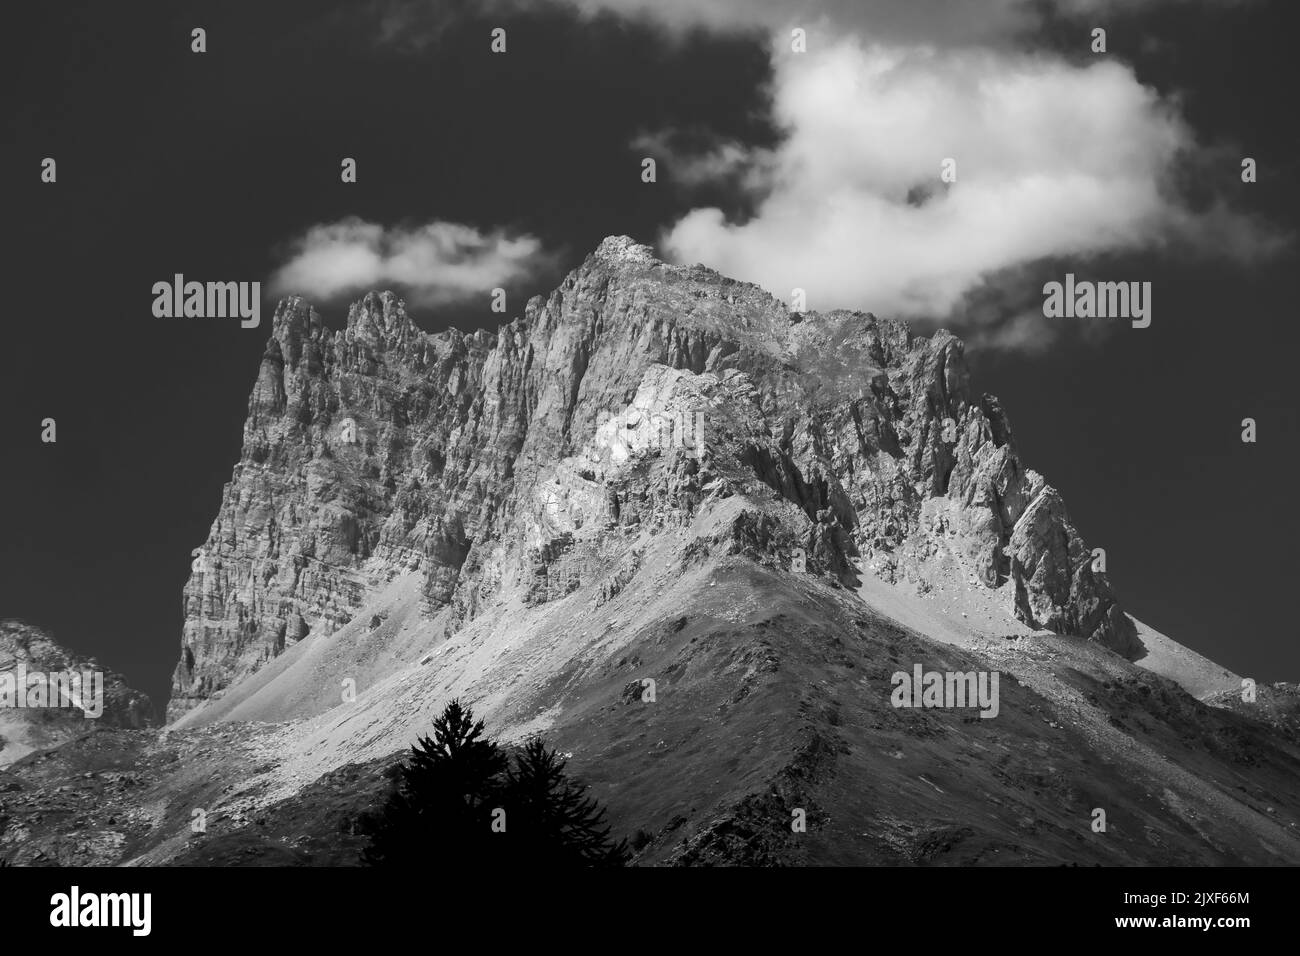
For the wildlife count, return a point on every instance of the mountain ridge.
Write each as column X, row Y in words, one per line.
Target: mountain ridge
column 454, row 427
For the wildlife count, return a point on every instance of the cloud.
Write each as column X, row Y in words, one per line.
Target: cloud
column 699, row 159
column 1061, row 160
column 938, row 22
column 436, row 264
column 1054, row 161
column 414, row 25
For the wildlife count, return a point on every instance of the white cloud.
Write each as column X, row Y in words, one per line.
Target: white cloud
column 1053, row 160
column 946, row 22
column 1069, row 160
column 437, row 263
column 730, row 161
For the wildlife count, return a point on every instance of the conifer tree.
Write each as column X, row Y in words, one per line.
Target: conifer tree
column 442, row 807
column 460, row 802
column 552, row 821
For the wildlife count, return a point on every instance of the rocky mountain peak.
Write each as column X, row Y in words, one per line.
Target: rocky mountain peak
column 380, row 318
column 624, row 249
column 479, row 461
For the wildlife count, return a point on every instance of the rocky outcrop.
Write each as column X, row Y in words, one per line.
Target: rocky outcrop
column 379, row 449
column 41, row 712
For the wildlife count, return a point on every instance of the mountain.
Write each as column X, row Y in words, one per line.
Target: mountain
column 30, row 652
column 693, row 538
column 474, row 461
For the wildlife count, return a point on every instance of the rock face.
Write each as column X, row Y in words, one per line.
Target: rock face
column 634, row 394
column 29, row 650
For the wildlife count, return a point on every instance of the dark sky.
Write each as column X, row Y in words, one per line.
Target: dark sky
column 207, row 164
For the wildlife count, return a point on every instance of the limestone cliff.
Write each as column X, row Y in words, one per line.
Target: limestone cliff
column 488, row 463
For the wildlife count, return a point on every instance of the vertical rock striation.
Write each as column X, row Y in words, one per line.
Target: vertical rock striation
column 380, row 448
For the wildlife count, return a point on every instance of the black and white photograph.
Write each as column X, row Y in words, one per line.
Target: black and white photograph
column 531, row 437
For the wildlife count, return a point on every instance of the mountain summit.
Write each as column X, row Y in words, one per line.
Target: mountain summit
column 381, row 450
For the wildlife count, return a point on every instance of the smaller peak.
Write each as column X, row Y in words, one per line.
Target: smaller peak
column 292, row 303
column 380, row 312
column 293, row 316
column 379, row 320
column 377, row 304
column 624, row 249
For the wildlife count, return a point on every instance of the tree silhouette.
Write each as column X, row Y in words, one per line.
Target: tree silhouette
column 460, row 802
column 442, row 807
column 551, row 820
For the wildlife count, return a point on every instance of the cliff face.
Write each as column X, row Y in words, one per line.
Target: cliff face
column 484, row 462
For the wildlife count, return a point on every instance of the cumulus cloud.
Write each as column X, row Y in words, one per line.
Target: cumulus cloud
column 1058, row 160
column 435, row 264
column 1053, row 160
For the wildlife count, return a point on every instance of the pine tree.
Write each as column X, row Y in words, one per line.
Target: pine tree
column 551, row 820
column 460, row 802
column 442, row 807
